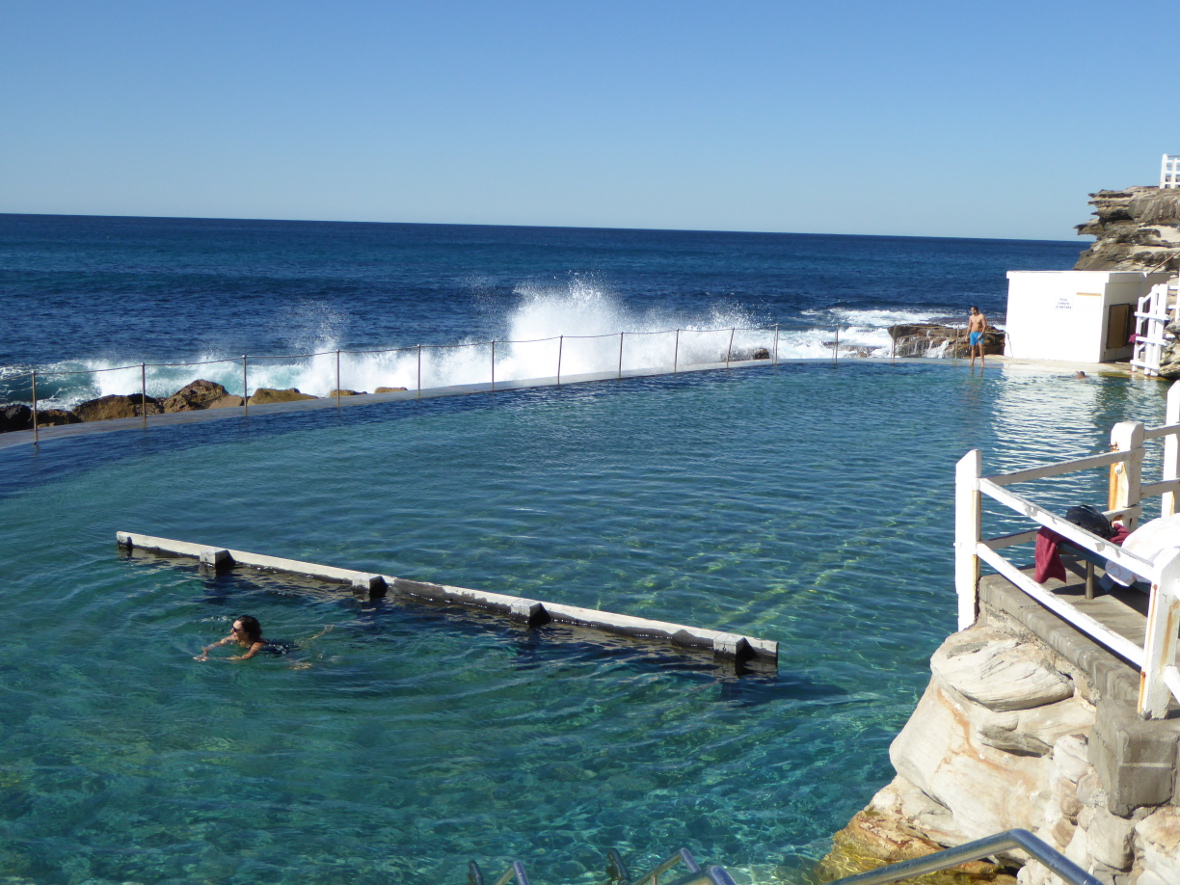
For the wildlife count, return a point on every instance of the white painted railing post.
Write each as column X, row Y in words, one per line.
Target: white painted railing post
column 967, row 536
column 1160, row 640
column 1171, row 465
column 560, row 344
column 1126, row 476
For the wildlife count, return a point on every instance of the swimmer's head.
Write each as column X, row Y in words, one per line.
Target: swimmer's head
column 248, row 629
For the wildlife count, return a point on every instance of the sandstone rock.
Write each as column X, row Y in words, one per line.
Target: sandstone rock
column 228, row 401
column 332, row 394
column 1069, row 758
column 116, row 406
column 926, row 339
column 1136, row 229
column 1090, row 792
column 199, row 394
column 998, row 671
column 1032, row 732
column 264, row 395
column 57, row 417
column 1159, row 840
column 1110, row 838
column 986, row 790
column 915, row 813
column 15, row 417
column 388, row 389
column 873, row 840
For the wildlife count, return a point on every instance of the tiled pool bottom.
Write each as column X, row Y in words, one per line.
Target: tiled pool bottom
column 806, row 504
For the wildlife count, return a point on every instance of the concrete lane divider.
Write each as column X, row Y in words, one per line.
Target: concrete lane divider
column 531, row 612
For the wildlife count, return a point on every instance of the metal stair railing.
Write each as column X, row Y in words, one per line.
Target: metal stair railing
column 714, row 875
column 1056, row 862
column 515, row 871
column 617, row 871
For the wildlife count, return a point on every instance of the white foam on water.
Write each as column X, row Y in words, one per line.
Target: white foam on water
column 576, row 327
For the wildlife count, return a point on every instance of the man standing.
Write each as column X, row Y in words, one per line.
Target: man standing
column 976, row 327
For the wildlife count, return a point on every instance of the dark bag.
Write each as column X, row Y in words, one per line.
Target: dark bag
column 1091, row 520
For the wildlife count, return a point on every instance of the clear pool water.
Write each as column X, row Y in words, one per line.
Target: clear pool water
column 807, row 503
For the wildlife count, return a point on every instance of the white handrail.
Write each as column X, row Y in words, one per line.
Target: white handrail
column 1170, row 171
column 1156, row 658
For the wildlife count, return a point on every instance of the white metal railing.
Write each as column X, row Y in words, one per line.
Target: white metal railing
column 1170, row 171
column 1153, row 313
column 1156, row 658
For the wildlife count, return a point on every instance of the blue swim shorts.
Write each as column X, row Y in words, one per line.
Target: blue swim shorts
column 976, row 338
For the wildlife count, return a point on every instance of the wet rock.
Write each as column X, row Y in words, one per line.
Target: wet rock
column 388, row 389
column 332, row 394
column 930, row 339
column 56, row 417
column 198, row 395
column 15, row 417
column 228, row 401
column 264, row 395
column 106, row 408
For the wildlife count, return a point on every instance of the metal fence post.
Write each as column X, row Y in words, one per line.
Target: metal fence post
column 143, row 391
column 676, row 353
column 1125, row 490
column 419, row 371
column 621, row 334
column 493, row 364
column 337, row 377
column 967, row 535
column 729, row 350
column 36, row 438
column 245, row 389
column 836, row 347
column 776, row 344
column 560, row 342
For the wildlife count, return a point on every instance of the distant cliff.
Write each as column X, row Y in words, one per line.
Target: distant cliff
column 1137, row 229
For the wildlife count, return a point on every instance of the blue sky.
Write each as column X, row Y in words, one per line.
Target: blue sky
column 921, row 118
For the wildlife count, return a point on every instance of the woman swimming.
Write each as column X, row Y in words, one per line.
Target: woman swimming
column 247, row 633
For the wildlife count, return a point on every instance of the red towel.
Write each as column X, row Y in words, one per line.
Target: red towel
column 1048, row 560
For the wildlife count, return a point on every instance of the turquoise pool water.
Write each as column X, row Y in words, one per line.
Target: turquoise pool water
column 806, row 503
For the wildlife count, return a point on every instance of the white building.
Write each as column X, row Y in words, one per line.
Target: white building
column 1085, row 316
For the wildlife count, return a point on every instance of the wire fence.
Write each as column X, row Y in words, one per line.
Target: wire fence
column 427, row 366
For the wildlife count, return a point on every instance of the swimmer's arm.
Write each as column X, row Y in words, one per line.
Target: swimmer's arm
column 254, row 649
column 204, row 655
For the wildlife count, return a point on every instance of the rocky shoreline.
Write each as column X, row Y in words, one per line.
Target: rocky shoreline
column 1012, row 733
column 197, row 396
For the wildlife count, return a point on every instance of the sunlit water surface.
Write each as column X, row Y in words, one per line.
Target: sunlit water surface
column 810, row 504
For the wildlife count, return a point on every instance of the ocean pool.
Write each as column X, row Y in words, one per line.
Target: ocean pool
column 808, row 503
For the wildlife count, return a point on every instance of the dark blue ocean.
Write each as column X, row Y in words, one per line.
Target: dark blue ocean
column 808, row 502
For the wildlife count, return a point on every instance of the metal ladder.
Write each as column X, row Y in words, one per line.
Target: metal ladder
column 1023, row 840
